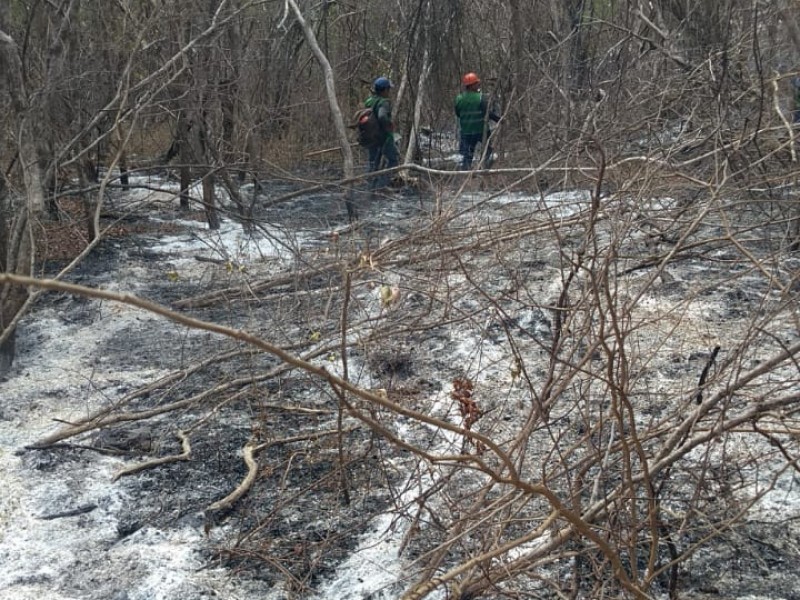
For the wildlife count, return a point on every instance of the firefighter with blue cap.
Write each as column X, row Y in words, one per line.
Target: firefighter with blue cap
column 383, row 154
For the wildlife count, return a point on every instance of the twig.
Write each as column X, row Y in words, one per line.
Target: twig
column 185, row 455
column 252, row 469
column 249, row 453
column 81, row 510
column 299, row 438
column 298, row 409
column 699, row 398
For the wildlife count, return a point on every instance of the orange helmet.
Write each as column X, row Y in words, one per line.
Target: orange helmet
column 470, row 79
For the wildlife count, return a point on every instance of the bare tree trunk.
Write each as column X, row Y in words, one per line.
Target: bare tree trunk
column 123, row 170
column 16, row 239
column 123, row 158
column 184, row 156
column 336, row 111
column 7, row 346
column 793, row 30
column 210, row 202
column 330, row 88
column 186, row 183
column 423, row 78
column 47, row 105
column 204, row 154
column 85, row 173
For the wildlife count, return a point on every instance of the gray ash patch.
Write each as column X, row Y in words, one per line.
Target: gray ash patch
column 296, row 514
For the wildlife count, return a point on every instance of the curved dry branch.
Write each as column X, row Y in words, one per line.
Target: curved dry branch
column 186, row 446
column 252, row 469
column 249, row 453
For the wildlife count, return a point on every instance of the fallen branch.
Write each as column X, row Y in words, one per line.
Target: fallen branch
column 244, row 486
column 217, row 261
column 297, row 409
column 300, row 438
column 701, row 384
column 156, row 462
column 210, row 298
column 249, row 453
column 81, row 510
column 327, row 150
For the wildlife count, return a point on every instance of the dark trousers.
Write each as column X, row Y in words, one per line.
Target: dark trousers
column 377, row 154
column 466, row 148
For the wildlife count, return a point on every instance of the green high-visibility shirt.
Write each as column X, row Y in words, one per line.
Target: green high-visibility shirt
column 471, row 111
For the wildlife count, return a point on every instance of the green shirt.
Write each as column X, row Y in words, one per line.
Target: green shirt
column 471, row 112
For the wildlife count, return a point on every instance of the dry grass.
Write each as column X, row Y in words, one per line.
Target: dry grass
column 65, row 238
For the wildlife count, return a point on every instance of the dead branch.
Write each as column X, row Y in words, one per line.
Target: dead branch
column 81, row 510
column 305, row 437
column 157, row 462
column 249, row 453
column 210, row 298
column 252, row 469
column 701, row 384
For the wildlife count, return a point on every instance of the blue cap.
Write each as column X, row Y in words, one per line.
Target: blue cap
column 381, row 84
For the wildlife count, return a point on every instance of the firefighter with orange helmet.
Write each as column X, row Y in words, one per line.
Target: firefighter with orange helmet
column 472, row 110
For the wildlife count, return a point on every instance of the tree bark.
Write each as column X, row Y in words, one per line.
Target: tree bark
column 184, row 156
column 423, row 77
column 17, row 240
column 210, row 202
column 330, row 88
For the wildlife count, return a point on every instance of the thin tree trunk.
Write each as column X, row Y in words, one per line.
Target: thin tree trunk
column 421, row 84
column 123, row 170
column 209, row 199
column 85, row 173
column 6, row 346
column 184, row 156
column 47, row 106
column 123, row 157
column 792, row 28
column 330, row 88
column 336, row 111
column 18, row 250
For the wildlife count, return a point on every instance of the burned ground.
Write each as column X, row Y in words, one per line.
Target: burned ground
column 481, row 296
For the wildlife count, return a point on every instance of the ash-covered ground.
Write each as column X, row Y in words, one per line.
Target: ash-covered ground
column 331, row 507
